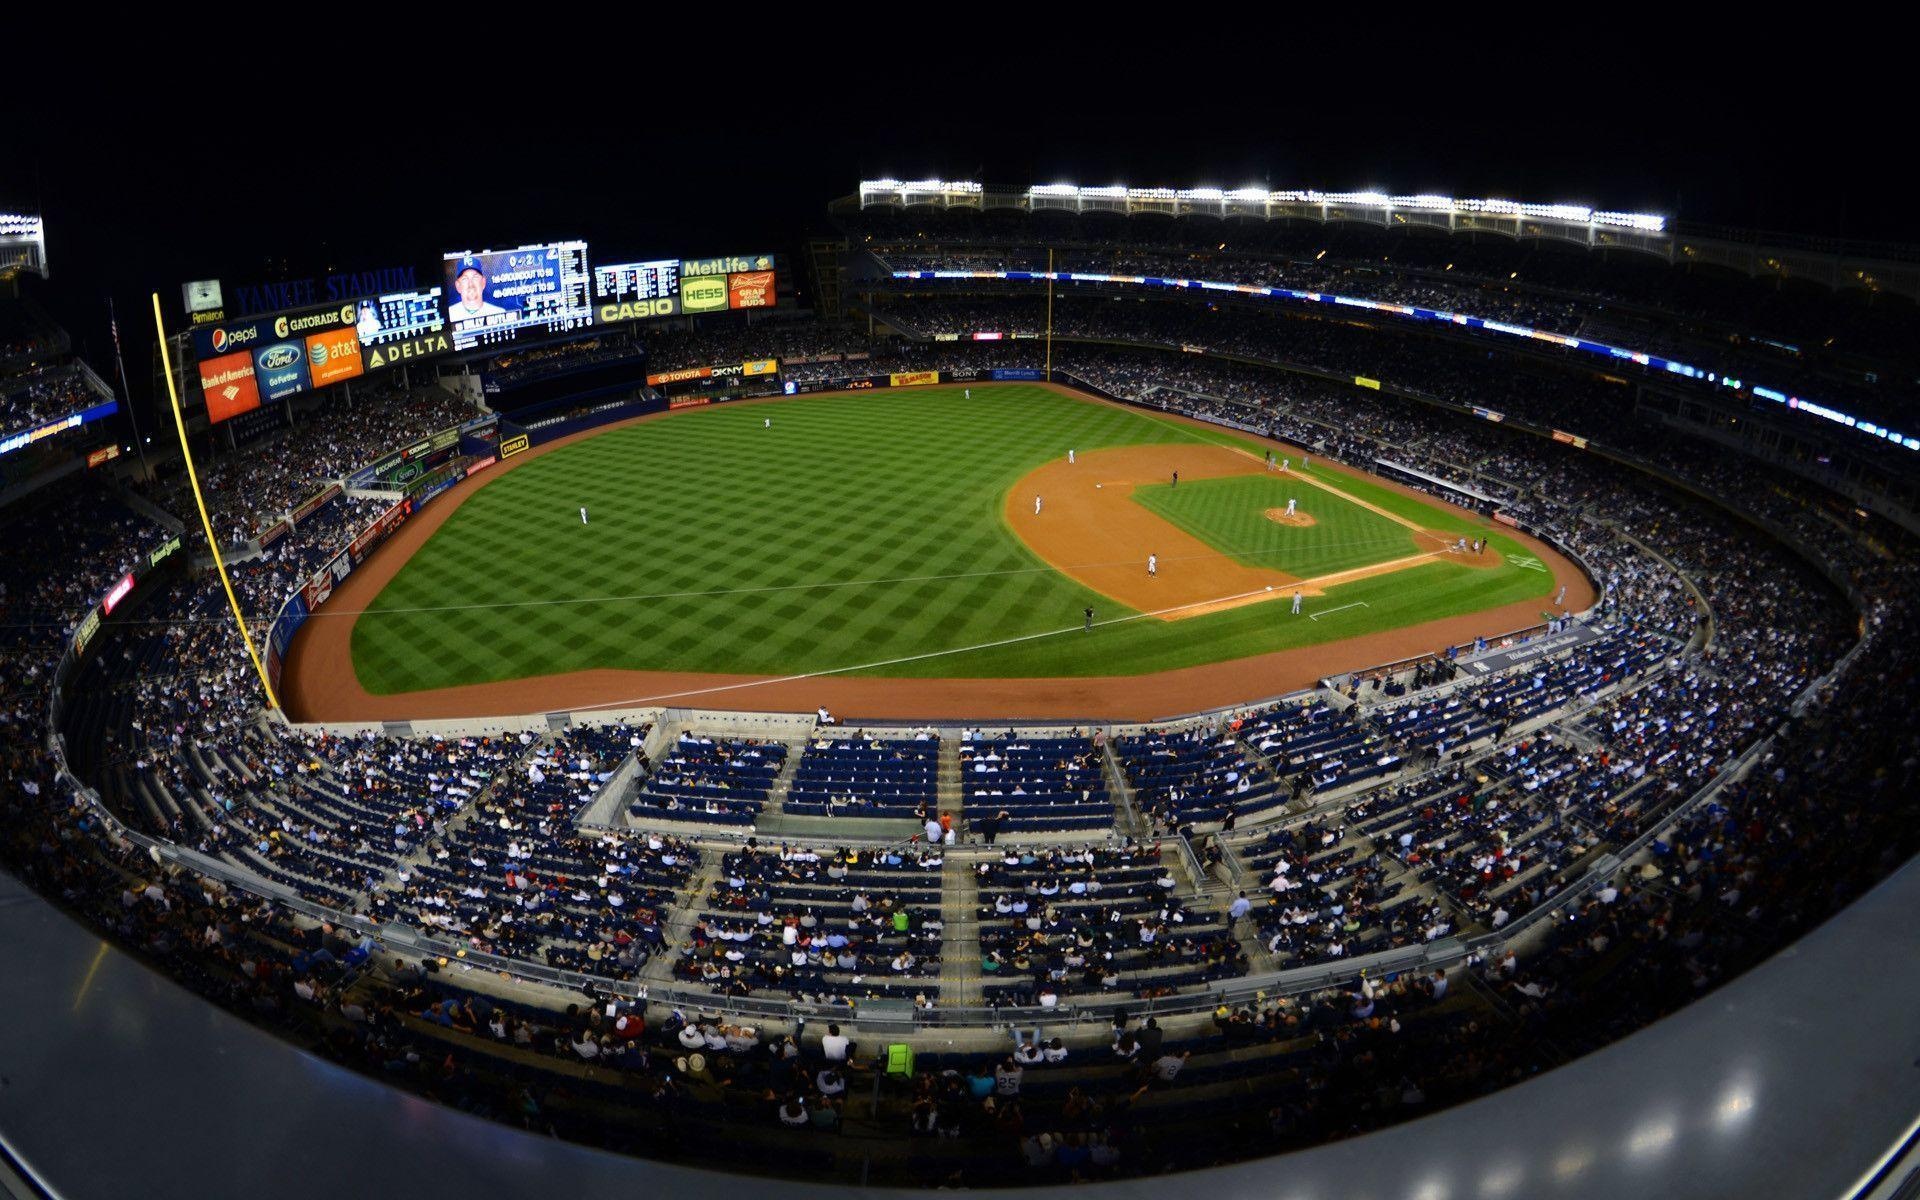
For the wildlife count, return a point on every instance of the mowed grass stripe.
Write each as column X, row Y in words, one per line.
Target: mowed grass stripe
column 890, row 485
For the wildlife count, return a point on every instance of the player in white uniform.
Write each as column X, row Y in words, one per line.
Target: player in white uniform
column 1036, row 506
column 1296, row 603
column 969, row 392
column 1306, row 460
column 1284, row 464
column 583, row 514
column 768, row 424
column 1069, row 456
column 1290, row 503
column 1153, row 565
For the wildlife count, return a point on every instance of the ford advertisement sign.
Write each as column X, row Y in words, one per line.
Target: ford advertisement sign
column 281, row 368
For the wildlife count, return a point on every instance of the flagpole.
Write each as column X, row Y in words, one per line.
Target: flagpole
column 126, row 394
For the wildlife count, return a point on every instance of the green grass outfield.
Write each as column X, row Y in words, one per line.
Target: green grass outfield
column 857, row 532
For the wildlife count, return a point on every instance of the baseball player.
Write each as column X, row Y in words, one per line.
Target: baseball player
column 1036, row 506
column 1561, row 598
column 1284, row 464
column 1069, row 456
column 1291, row 502
column 1269, row 460
column 1306, row 461
column 1153, row 565
column 1296, row 602
column 1089, row 620
column 969, row 392
column 1176, row 479
column 583, row 514
column 769, row 424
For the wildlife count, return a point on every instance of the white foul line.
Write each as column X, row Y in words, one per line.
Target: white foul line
column 1327, row 612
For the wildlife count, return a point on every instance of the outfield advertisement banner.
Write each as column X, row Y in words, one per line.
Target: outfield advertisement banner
column 278, row 530
column 1017, row 373
column 912, row 378
column 750, row 289
column 683, row 375
column 318, row 502
column 229, row 386
column 510, row 446
column 761, row 366
column 479, row 465
column 381, row 529
column 333, row 356
column 689, row 401
column 280, row 638
column 703, row 295
column 321, row 586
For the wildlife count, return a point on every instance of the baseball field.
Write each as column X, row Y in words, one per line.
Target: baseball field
column 893, row 535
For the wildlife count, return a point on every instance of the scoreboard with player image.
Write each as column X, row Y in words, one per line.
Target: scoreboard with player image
column 496, row 296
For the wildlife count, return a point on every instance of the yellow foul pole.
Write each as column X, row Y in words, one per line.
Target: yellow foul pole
column 206, row 522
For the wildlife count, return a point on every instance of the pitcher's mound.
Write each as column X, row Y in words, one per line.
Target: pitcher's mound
column 1298, row 520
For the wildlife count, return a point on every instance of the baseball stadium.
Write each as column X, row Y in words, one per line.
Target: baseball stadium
column 1028, row 685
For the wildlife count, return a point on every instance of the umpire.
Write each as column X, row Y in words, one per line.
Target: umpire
column 1089, row 620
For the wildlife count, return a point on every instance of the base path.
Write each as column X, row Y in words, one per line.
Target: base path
column 1090, row 529
column 318, row 682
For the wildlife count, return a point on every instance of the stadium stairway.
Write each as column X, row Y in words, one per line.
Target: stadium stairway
column 959, row 937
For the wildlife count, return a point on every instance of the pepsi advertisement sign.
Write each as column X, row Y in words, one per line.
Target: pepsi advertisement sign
column 215, row 340
column 281, row 369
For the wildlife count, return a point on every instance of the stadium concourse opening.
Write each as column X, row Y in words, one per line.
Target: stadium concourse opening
column 320, row 684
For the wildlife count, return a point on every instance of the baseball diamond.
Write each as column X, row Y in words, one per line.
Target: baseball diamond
column 754, row 567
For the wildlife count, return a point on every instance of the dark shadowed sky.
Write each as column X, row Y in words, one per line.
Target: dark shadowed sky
column 656, row 143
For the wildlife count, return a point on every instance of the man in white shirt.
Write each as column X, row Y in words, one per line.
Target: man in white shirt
column 471, row 282
column 834, row 1046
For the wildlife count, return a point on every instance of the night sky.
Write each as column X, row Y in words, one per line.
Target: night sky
column 299, row 175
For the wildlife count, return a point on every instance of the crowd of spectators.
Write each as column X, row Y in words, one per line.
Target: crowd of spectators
column 475, row 838
column 251, row 488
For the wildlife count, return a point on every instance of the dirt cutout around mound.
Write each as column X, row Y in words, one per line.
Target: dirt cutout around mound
column 1088, row 527
column 319, row 683
column 1299, row 520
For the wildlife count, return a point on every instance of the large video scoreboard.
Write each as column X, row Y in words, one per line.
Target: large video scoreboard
column 496, row 296
column 489, row 298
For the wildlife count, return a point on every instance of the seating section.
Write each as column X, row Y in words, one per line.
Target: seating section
column 1324, row 747
column 1198, row 775
column 517, row 877
column 1487, row 709
column 866, row 777
column 720, row 782
column 841, row 925
column 1042, row 784
column 1094, row 921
